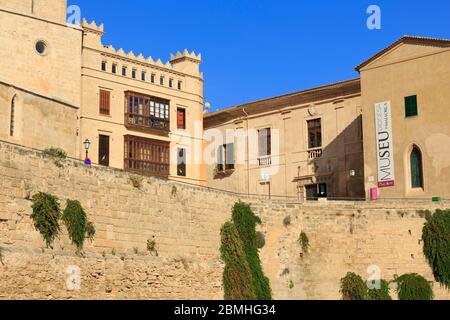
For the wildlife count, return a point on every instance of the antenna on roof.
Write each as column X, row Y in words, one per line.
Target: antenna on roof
column 207, row 107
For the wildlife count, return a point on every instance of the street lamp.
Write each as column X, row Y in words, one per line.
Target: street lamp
column 87, row 144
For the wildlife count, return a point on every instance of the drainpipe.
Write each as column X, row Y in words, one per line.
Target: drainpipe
column 247, row 153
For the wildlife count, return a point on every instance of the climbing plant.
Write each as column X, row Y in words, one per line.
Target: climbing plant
column 383, row 293
column 243, row 277
column 46, row 215
column 77, row 224
column 413, row 287
column 353, row 287
column 303, row 240
column 436, row 245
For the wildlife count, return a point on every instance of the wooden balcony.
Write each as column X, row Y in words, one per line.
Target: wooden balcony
column 147, row 156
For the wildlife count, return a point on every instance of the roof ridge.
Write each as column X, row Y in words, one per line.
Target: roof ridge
column 396, row 43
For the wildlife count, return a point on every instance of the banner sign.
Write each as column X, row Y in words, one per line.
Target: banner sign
column 385, row 148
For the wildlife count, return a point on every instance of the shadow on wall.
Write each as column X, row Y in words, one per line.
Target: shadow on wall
column 339, row 171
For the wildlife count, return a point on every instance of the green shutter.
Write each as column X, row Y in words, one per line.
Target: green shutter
column 411, row 106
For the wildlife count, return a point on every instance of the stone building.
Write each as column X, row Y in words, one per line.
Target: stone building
column 39, row 75
column 305, row 145
column 407, row 86
column 142, row 114
column 310, row 145
column 62, row 86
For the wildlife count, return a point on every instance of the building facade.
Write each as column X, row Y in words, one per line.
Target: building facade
column 304, row 145
column 405, row 88
column 40, row 81
column 138, row 113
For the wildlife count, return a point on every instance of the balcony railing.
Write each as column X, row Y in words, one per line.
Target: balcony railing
column 147, row 156
column 147, row 122
column 146, row 113
column 315, row 154
column 265, row 161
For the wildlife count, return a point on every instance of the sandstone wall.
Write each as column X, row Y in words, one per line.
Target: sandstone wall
column 185, row 222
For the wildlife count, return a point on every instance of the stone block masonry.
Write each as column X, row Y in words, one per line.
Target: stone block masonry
column 185, row 223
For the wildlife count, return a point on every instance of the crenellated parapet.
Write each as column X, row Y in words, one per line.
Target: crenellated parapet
column 92, row 27
column 184, row 62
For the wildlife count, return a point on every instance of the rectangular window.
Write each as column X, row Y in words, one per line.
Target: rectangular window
column 147, row 156
column 181, row 162
column 411, row 109
column 105, row 102
column 179, row 85
column 133, row 73
column 104, row 65
column 265, row 142
column 181, row 118
column 103, row 150
column 314, row 133
column 152, row 78
column 114, row 68
column 171, row 83
column 161, row 80
column 143, row 76
column 124, row 71
column 143, row 111
column 225, row 157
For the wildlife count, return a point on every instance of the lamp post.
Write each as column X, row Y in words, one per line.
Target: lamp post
column 87, row 144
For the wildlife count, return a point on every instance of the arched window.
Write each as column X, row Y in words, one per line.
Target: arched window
column 11, row 120
column 416, row 168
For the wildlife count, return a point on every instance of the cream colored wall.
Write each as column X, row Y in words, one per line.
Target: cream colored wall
column 39, row 122
column 93, row 124
column 342, row 147
column 52, row 10
column 55, row 74
column 404, row 71
column 48, row 86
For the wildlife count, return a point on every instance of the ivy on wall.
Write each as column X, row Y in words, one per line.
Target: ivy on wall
column 77, row 224
column 46, row 215
column 353, row 287
column 413, row 287
column 243, row 277
column 436, row 245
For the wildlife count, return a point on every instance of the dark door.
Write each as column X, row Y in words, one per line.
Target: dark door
column 181, row 167
column 311, row 192
column 103, row 150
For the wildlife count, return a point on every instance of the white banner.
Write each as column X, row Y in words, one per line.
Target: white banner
column 385, row 148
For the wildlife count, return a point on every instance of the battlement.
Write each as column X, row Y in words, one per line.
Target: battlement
column 178, row 57
column 184, row 62
column 92, row 26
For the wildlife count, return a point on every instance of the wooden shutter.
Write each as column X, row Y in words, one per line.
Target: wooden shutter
column 411, row 106
column 181, row 118
column 220, row 162
column 105, row 101
column 229, row 156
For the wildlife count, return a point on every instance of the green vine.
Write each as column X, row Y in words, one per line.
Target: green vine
column 55, row 153
column 436, row 245
column 413, row 287
column 380, row 294
column 260, row 240
column 303, row 240
column 243, row 277
column 353, row 287
column 46, row 215
column 77, row 224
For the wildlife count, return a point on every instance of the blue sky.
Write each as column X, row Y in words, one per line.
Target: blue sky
column 254, row 49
